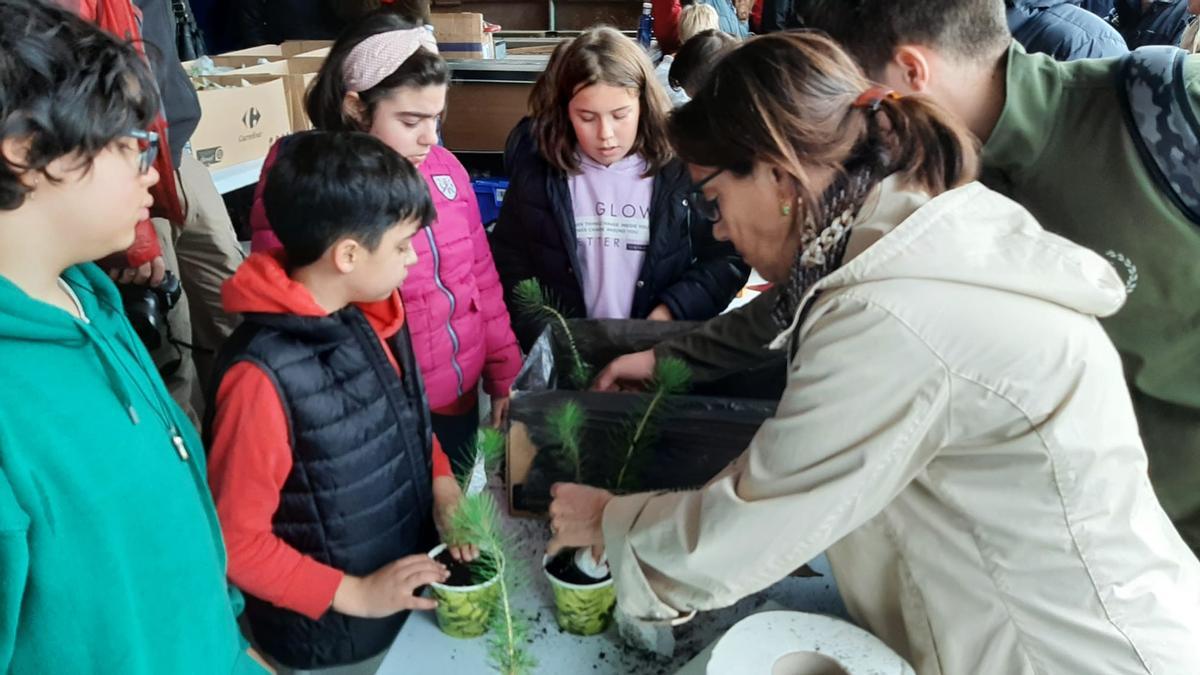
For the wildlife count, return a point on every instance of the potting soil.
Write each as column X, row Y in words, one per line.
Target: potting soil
column 461, row 574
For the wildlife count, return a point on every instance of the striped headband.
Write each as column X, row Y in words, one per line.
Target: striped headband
column 373, row 59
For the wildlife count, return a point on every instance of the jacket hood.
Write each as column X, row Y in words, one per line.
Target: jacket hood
column 974, row 236
column 261, row 285
column 23, row 318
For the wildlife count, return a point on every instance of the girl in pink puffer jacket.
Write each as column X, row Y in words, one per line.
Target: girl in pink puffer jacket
column 384, row 76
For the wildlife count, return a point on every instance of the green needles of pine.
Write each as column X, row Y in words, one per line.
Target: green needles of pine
column 477, row 521
column 537, row 304
column 672, row 377
column 566, row 425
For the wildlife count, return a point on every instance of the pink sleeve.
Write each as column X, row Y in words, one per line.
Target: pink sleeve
column 503, row 355
column 262, row 237
column 248, row 463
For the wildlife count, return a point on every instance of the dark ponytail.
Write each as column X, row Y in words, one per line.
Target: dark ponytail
column 789, row 100
column 924, row 144
column 325, row 99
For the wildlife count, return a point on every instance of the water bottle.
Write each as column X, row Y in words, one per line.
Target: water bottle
column 645, row 32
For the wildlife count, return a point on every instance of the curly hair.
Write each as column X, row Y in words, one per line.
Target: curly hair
column 67, row 89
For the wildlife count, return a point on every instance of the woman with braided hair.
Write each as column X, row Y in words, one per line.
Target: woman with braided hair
column 956, row 433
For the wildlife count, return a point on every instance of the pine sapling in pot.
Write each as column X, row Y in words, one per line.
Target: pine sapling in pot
column 477, row 521
column 566, row 425
column 537, row 304
column 672, row 377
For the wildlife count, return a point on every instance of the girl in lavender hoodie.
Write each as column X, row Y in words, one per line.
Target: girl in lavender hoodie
column 598, row 210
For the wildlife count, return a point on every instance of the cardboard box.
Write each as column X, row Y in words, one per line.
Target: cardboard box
column 316, row 53
column 461, row 36
column 241, row 122
column 297, row 73
column 269, row 51
column 292, row 48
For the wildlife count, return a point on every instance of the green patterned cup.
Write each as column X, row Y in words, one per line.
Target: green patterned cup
column 582, row 610
column 464, row 611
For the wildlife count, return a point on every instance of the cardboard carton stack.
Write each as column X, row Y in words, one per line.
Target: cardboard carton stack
column 244, row 110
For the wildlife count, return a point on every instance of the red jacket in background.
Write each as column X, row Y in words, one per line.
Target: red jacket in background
column 666, row 24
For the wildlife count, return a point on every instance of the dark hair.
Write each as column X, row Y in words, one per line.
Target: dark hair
column 599, row 55
column 67, row 87
column 695, row 60
column 872, row 29
column 795, row 94
column 326, row 186
column 326, row 96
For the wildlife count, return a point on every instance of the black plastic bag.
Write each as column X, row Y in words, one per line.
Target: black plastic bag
column 698, row 435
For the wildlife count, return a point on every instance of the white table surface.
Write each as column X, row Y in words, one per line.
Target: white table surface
column 423, row 649
column 231, row 178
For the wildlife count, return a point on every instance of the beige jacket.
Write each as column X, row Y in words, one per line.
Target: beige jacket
column 1191, row 37
column 957, row 435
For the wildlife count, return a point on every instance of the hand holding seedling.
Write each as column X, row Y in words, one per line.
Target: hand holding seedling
column 575, row 517
column 390, row 588
column 627, row 373
column 447, row 495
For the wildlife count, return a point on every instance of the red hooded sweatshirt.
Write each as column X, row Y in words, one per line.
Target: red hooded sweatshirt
column 251, row 455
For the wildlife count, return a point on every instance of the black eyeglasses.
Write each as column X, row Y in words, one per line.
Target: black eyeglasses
column 708, row 209
column 147, row 149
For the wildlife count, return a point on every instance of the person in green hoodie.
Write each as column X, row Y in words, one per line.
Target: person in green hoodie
column 1055, row 140
column 111, row 558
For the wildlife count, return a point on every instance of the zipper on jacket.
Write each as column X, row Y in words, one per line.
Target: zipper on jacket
column 437, row 280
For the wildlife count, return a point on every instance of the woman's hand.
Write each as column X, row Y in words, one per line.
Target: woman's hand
column 446, row 495
column 500, row 412
column 629, row 372
column 576, row 515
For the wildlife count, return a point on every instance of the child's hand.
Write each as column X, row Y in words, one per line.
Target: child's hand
column 500, row 412
column 446, row 495
column 389, row 589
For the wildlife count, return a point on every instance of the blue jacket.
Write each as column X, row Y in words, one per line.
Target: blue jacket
column 1162, row 24
column 1101, row 8
column 727, row 14
column 1062, row 30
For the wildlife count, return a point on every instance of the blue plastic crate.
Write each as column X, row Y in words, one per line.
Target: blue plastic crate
column 490, row 193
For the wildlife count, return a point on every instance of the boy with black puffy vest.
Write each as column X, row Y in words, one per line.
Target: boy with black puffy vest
column 324, row 468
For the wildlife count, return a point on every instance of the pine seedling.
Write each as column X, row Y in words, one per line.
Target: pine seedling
column 477, row 521
column 538, row 304
column 672, row 377
column 566, row 425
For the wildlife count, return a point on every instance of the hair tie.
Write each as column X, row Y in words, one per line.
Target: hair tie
column 872, row 98
column 373, row 59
